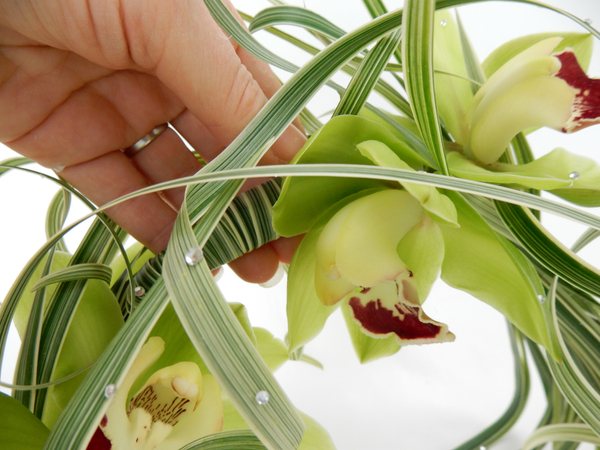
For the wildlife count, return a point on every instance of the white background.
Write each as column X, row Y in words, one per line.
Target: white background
column 429, row 398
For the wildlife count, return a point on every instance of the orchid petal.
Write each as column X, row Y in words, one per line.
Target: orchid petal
column 366, row 347
column 366, row 243
column 538, row 50
column 437, row 205
column 487, row 266
column 392, row 308
column 19, row 428
column 536, row 102
column 304, row 199
column 422, row 249
column 527, row 175
column 453, row 93
column 581, row 43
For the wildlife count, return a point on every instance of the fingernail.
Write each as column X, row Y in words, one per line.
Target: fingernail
column 275, row 279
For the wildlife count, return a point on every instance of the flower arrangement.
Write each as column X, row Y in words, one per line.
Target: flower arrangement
column 122, row 349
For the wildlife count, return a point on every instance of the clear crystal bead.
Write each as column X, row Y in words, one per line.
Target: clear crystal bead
column 588, row 21
column 139, row 291
column 574, row 175
column 443, row 23
column 110, row 391
column 193, row 256
column 541, row 298
column 262, row 397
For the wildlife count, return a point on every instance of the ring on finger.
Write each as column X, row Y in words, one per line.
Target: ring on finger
column 145, row 141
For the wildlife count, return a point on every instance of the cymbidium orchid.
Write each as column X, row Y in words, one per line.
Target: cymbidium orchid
column 376, row 248
column 535, row 88
column 176, row 405
column 534, row 81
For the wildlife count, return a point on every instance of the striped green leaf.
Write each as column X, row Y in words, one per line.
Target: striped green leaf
column 548, row 250
column 85, row 271
column 417, row 57
column 561, row 432
column 224, row 345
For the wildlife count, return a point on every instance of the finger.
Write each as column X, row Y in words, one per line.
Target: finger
column 148, row 218
column 258, row 266
column 285, row 247
column 106, row 114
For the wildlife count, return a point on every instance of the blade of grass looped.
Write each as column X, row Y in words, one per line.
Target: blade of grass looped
column 84, row 271
column 548, row 250
column 292, row 15
column 499, row 428
column 561, row 432
column 490, row 191
column 584, row 399
column 26, row 372
column 64, row 302
column 227, row 440
column 12, row 163
column 417, row 60
column 224, row 345
column 57, row 215
column 82, row 415
column 365, row 78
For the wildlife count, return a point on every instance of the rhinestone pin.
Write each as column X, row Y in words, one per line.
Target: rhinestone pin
column 574, row 175
column 193, row 256
column 110, row 391
column 139, row 291
column 262, row 397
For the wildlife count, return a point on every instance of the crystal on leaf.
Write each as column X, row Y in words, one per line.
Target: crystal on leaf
column 139, row 291
column 110, row 391
column 262, row 397
column 193, row 256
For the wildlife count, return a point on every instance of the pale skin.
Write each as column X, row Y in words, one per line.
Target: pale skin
column 80, row 80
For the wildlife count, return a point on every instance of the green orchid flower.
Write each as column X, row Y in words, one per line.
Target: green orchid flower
column 375, row 248
column 176, row 405
column 532, row 81
column 535, row 88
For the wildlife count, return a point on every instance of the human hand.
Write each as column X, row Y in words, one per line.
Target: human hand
column 81, row 80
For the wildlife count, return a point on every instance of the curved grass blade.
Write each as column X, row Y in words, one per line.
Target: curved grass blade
column 547, row 250
column 84, row 271
column 512, row 414
column 561, row 432
column 12, row 163
column 365, row 78
column 417, row 59
column 227, row 440
column 57, row 215
column 292, row 15
column 26, row 371
column 584, row 399
column 223, row 344
column 490, row 191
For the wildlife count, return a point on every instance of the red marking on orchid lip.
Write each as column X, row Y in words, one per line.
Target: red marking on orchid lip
column 104, row 421
column 365, row 290
column 99, row 441
column 586, row 107
column 410, row 274
column 379, row 320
